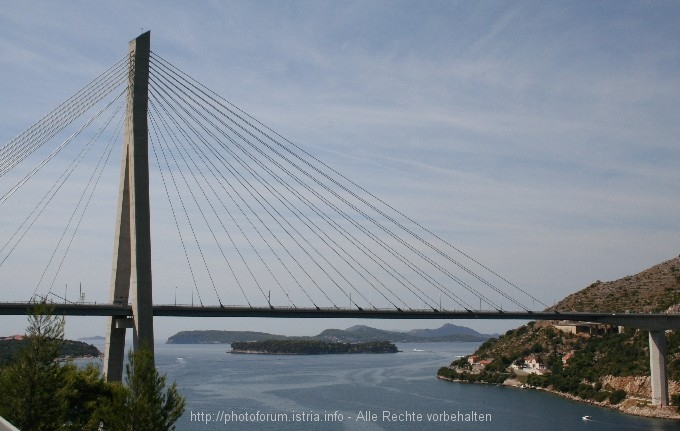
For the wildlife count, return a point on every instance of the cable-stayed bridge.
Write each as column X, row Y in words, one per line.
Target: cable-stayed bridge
column 253, row 223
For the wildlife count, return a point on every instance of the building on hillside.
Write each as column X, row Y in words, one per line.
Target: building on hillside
column 534, row 363
column 566, row 358
column 476, row 362
column 586, row 328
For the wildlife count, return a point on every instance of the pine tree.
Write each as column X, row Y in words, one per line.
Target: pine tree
column 87, row 392
column 143, row 403
column 31, row 388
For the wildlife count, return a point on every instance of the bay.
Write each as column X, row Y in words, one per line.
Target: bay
column 363, row 392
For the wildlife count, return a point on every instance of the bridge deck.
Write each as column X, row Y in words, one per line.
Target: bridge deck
column 633, row 320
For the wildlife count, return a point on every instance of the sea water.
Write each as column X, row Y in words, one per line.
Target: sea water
column 398, row 391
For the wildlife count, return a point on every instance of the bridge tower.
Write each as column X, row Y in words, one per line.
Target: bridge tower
column 131, row 269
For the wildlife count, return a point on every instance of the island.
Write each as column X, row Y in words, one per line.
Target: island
column 310, row 347
column 355, row 334
column 9, row 348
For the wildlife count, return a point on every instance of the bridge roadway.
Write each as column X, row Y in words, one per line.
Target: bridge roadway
column 656, row 324
column 650, row 322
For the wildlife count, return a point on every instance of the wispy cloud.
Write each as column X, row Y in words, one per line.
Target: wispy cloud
column 542, row 137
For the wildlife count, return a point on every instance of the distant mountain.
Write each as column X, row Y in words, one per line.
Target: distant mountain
column 361, row 334
column 447, row 330
column 354, row 334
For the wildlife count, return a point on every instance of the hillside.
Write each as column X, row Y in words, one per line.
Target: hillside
column 354, row 334
column 578, row 365
column 656, row 289
column 600, row 364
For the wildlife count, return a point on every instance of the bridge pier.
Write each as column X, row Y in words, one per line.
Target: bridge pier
column 657, row 364
column 131, row 269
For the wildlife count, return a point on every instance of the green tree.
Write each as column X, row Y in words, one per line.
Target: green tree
column 32, row 387
column 39, row 394
column 87, row 392
column 143, row 403
column 675, row 401
column 617, row 396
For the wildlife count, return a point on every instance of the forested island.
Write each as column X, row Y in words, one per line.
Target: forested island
column 9, row 347
column 310, row 347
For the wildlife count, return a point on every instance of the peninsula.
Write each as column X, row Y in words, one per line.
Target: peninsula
column 310, row 347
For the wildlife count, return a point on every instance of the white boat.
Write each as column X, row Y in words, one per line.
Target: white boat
column 587, row 418
column 418, row 350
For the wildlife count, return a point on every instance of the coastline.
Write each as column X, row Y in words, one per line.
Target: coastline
column 260, row 352
column 310, row 347
column 637, row 406
column 67, row 358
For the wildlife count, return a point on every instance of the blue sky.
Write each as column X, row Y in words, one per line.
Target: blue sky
column 541, row 138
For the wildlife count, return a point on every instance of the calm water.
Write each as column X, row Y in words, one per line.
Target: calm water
column 219, row 385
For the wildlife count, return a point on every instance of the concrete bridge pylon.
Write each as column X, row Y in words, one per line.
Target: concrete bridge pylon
column 658, row 367
column 131, row 268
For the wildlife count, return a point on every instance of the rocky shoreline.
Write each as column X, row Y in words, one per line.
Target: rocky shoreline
column 636, row 406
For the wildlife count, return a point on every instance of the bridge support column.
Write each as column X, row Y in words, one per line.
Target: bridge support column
column 131, row 272
column 657, row 363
